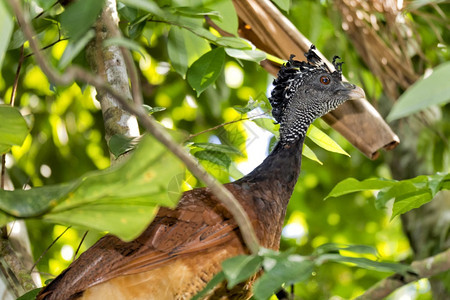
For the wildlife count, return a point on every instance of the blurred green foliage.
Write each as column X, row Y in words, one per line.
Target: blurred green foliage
column 66, row 137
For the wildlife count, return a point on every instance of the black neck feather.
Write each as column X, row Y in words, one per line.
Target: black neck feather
column 281, row 168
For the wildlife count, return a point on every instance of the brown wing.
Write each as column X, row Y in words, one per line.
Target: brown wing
column 199, row 222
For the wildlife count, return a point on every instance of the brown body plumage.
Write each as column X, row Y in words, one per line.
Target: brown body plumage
column 183, row 249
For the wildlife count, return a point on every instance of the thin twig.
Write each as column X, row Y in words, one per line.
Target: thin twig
column 2, row 181
column 190, row 137
column 48, row 46
column 149, row 123
column 79, row 245
column 48, row 248
column 16, row 78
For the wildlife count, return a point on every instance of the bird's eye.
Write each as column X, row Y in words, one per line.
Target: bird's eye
column 325, row 80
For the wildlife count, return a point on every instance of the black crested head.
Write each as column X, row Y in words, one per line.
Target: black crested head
column 306, row 90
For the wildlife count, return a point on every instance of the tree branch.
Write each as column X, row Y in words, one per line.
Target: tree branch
column 425, row 268
column 148, row 122
column 110, row 64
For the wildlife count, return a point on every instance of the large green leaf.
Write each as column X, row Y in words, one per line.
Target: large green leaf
column 233, row 42
column 184, row 48
column 282, row 270
column 120, row 144
column 351, row 185
column 407, row 194
column 217, row 147
column 432, row 90
column 237, row 269
column 206, row 69
column 6, row 24
column 283, row 4
column 228, row 20
column 413, row 199
column 219, row 158
column 335, row 248
column 122, row 199
column 308, row 153
column 149, row 6
column 267, row 124
column 365, row 263
column 30, row 295
column 13, row 128
column 323, row 140
column 251, row 55
column 78, row 17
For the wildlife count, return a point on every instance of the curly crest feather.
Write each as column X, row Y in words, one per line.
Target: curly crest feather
column 291, row 76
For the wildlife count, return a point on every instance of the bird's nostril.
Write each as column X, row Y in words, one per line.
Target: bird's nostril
column 348, row 85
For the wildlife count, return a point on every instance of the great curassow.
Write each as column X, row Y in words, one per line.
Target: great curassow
column 183, row 248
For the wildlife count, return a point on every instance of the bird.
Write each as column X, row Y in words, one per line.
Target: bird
column 183, row 248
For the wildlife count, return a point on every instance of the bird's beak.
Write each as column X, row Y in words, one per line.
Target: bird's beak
column 355, row 92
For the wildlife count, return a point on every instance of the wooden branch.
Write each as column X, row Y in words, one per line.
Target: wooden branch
column 424, row 268
column 109, row 63
column 149, row 123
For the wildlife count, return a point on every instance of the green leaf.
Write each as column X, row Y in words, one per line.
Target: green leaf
column 13, row 128
column 335, row 248
column 251, row 105
column 267, row 124
column 120, row 144
column 218, row 278
column 250, row 55
column 128, row 13
column 45, row 4
column 148, row 6
column 125, row 218
column 283, row 4
column 206, row 69
column 405, row 202
column 432, row 90
column 218, row 158
column 408, row 194
column 151, row 110
column 233, row 42
column 365, row 263
column 41, row 27
column 445, row 182
column 217, row 147
column 308, row 153
column 435, row 182
column 30, row 295
column 351, row 185
column 196, row 11
column 323, row 140
column 78, row 17
column 74, row 48
column 227, row 12
column 6, row 24
column 284, row 270
column 239, row 268
column 136, row 27
column 235, row 134
column 107, row 200
column 184, row 48
column 399, row 188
